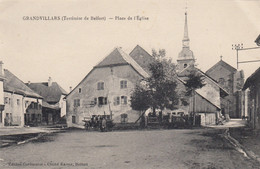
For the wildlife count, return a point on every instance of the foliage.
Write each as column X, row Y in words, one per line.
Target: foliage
column 157, row 91
column 140, row 99
column 194, row 81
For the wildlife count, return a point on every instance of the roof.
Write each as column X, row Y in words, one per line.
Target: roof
column 15, row 85
column 47, row 105
column 119, row 57
column 223, row 64
column 202, row 92
column 185, row 54
column 116, row 58
column 50, row 93
column 251, row 79
column 142, row 57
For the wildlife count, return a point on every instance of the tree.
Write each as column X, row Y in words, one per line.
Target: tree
column 194, row 81
column 158, row 90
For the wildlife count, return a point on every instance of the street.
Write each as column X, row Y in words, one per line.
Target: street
column 195, row 148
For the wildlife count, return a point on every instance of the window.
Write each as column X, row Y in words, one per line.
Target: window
column 185, row 65
column 93, row 103
column 76, row 102
column 100, row 86
column 18, row 101
column 116, row 101
column 102, row 101
column 123, row 84
column 79, row 90
column 123, row 99
column 74, row 119
column 124, row 118
column 7, row 100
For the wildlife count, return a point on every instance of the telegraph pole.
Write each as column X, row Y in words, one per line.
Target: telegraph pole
column 239, row 47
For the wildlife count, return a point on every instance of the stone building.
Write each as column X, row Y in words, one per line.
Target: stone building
column 106, row 89
column 53, row 104
column 22, row 106
column 232, row 81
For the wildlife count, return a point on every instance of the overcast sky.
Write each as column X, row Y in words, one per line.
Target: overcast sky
column 67, row 50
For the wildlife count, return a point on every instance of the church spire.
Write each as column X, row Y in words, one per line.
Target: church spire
column 186, row 40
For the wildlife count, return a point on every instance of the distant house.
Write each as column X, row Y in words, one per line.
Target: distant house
column 252, row 103
column 207, row 99
column 22, row 105
column 232, row 81
column 53, row 104
column 107, row 88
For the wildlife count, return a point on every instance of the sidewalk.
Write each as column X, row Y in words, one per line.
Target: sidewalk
column 232, row 123
column 15, row 135
column 22, row 130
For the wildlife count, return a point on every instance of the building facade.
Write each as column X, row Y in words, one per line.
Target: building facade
column 54, row 103
column 22, row 106
column 252, row 101
column 232, row 81
column 106, row 90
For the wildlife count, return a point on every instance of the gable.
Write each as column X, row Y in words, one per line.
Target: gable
column 221, row 65
column 114, row 58
column 111, row 76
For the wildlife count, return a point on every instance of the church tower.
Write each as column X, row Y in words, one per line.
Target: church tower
column 186, row 57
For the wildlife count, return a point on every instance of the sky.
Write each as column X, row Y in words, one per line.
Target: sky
column 35, row 50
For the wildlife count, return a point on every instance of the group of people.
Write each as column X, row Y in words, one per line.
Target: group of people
column 97, row 122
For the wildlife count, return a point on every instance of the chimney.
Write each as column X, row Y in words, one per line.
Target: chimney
column 1, row 68
column 70, row 88
column 49, row 81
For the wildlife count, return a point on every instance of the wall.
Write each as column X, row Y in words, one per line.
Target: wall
column 17, row 108
column 232, row 82
column 111, row 76
column 207, row 110
column 207, row 118
column 62, row 104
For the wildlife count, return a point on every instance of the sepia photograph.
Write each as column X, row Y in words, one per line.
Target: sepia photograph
column 137, row 84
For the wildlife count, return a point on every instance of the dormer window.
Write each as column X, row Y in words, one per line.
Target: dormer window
column 100, row 86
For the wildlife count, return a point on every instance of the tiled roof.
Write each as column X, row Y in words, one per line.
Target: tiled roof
column 142, row 57
column 13, row 84
column 119, row 57
column 50, row 93
column 114, row 58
